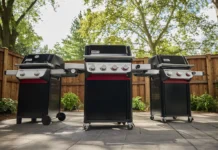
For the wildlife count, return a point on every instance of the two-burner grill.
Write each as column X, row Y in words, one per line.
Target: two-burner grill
column 39, row 93
column 170, row 89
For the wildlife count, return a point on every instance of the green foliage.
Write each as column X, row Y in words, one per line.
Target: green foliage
column 156, row 27
column 8, row 105
column 204, row 102
column 137, row 104
column 16, row 24
column 70, row 101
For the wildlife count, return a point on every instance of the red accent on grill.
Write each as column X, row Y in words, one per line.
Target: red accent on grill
column 176, row 81
column 32, row 81
column 108, row 77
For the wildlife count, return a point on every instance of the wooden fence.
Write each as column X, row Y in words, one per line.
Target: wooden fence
column 140, row 85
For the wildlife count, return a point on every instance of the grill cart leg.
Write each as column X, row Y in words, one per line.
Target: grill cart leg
column 61, row 116
column 46, row 120
column 33, row 120
column 190, row 119
column 19, row 120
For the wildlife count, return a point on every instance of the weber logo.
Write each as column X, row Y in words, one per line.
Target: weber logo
column 166, row 60
column 37, row 56
column 28, row 59
column 95, row 51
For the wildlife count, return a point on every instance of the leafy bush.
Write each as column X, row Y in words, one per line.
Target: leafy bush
column 137, row 104
column 8, row 105
column 70, row 101
column 204, row 102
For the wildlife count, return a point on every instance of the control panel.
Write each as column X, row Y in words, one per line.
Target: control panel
column 178, row 74
column 30, row 73
column 96, row 67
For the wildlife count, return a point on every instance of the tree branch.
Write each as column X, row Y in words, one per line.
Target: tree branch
column 137, row 4
column 24, row 14
column 166, row 26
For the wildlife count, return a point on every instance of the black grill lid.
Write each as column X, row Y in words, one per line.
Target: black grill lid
column 42, row 61
column 168, row 61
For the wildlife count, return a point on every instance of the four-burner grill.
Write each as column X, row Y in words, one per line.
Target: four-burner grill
column 170, row 89
column 108, row 84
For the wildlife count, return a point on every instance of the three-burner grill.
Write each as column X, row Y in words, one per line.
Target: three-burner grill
column 170, row 89
column 39, row 94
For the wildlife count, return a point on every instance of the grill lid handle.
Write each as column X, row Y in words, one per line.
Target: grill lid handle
column 173, row 65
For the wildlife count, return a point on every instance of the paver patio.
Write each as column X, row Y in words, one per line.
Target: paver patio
column 69, row 135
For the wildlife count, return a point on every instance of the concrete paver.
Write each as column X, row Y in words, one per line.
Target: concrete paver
column 147, row 134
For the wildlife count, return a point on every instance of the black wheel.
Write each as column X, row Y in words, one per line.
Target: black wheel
column 46, row 120
column 152, row 117
column 61, row 116
column 33, row 120
column 124, row 123
column 174, row 117
column 190, row 119
column 164, row 120
column 118, row 122
column 19, row 120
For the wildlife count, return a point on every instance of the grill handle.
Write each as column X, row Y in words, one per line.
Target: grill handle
column 36, row 64
column 107, row 57
column 173, row 65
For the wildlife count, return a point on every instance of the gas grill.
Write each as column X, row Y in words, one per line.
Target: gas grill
column 39, row 78
column 170, row 89
column 108, row 84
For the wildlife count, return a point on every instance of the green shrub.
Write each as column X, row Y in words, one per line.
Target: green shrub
column 8, row 105
column 204, row 102
column 70, row 101
column 137, row 104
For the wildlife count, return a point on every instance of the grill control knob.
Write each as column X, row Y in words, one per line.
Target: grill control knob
column 92, row 68
column 73, row 71
column 22, row 74
column 103, row 67
column 36, row 73
column 114, row 67
column 125, row 67
column 188, row 74
column 169, row 73
column 178, row 73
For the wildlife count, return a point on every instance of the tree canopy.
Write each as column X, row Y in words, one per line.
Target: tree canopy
column 152, row 27
column 17, row 17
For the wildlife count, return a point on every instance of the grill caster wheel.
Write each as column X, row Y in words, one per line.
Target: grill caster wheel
column 152, row 117
column 164, row 120
column 61, row 116
column 129, row 126
column 46, row 120
column 86, row 127
column 174, row 117
column 190, row 119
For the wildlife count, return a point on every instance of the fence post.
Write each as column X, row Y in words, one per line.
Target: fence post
column 209, row 75
column 4, row 77
column 147, row 85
